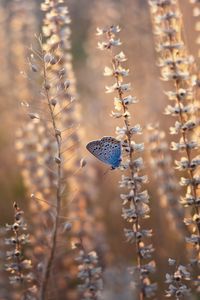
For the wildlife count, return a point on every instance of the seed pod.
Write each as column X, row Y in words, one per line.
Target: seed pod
column 33, row 116
column 53, row 101
column 48, row 58
column 34, row 68
column 57, row 160
column 83, row 163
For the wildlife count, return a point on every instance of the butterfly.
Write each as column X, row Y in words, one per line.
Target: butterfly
column 108, row 150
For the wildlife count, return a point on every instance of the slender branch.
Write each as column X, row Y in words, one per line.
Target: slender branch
column 50, row 260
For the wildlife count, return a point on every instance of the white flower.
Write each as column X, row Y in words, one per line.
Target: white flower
column 114, row 29
column 108, row 71
column 117, row 103
column 120, row 57
column 101, row 31
column 136, row 129
column 111, row 88
column 122, row 72
column 116, row 115
column 125, row 87
column 103, row 45
column 115, row 42
column 130, row 100
column 176, row 128
column 171, row 261
column 137, row 147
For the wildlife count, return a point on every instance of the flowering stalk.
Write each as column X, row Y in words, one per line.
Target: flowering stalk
column 51, row 126
column 177, row 281
column 161, row 163
column 50, row 115
column 18, row 267
column 169, row 190
column 176, row 66
column 56, row 29
column 58, row 161
column 196, row 14
column 89, row 273
column 135, row 201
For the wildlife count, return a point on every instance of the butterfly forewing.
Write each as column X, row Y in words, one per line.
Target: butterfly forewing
column 108, row 150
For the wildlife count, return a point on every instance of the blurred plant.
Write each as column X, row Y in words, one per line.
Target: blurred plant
column 4, row 286
column 168, row 189
column 176, row 66
column 177, row 281
column 20, row 269
column 196, row 14
column 196, row 71
column 14, row 37
column 57, row 32
column 35, row 153
column 4, row 82
column 79, row 183
column 36, row 149
column 89, row 273
column 117, row 284
column 48, row 115
column 97, row 15
column 22, row 27
column 51, row 144
column 132, row 180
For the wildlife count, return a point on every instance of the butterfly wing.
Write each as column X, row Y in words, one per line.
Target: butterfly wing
column 108, row 150
column 112, row 148
column 95, row 147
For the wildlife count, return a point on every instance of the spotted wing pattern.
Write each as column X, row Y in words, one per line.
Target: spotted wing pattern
column 108, row 150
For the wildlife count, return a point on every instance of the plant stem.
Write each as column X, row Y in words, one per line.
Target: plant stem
column 50, row 260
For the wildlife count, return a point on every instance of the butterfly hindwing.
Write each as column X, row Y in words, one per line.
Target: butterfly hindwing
column 112, row 150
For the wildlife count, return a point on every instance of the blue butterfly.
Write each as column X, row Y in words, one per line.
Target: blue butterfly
column 108, row 150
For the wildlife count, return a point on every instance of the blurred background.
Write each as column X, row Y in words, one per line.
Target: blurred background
column 19, row 22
